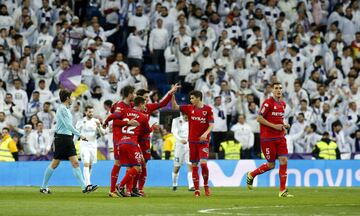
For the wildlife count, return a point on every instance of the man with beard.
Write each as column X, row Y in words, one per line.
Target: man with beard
column 204, row 25
column 349, row 27
column 64, row 145
column 168, row 21
column 337, row 15
column 232, row 29
column 139, row 20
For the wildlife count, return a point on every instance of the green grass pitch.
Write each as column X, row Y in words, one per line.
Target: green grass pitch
column 69, row 201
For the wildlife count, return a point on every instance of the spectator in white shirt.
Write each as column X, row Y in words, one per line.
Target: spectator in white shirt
column 136, row 47
column 47, row 116
column 157, row 44
column 19, row 95
column 171, row 63
column 14, row 114
column 192, row 77
column 34, row 105
column 119, row 68
column 40, row 140
column 45, row 94
column 140, row 21
column 245, row 136
column 296, row 128
column 207, row 85
column 218, row 133
column 6, row 21
column 139, row 80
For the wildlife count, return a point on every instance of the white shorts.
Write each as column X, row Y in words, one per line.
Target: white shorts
column 181, row 154
column 88, row 155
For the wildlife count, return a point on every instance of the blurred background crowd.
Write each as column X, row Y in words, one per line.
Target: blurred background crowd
column 231, row 50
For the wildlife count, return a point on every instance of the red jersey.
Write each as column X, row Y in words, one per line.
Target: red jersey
column 199, row 121
column 273, row 111
column 118, row 107
column 150, row 108
column 129, row 134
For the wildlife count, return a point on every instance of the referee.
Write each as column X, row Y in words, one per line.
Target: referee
column 64, row 148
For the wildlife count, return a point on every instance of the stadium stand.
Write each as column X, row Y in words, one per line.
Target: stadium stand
column 312, row 47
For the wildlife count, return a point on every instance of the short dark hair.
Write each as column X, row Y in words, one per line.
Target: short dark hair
column 64, row 95
column 142, row 92
column 6, row 128
column 275, row 83
column 47, row 103
column 139, row 100
column 313, row 127
column 39, row 122
column 108, row 103
column 127, row 90
column 88, row 107
column 196, row 94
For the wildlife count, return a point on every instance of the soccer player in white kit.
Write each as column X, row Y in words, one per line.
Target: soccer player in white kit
column 180, row 129
column 90, row 127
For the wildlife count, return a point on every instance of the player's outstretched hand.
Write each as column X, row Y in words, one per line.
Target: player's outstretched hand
column 278, row 127
column 133, row 122
column 83, row 138
column 174, row 88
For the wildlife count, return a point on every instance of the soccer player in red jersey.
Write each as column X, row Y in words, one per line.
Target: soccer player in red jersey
column 128, row 94
column 201, row 122
column 129, row 152
column 272, row 138
column 144, row 138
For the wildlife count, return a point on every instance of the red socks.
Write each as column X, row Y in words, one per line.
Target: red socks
column 114, row 177
column 142, row 178
column 205, row 173
column 195, row 176
column 128, row 178
column 283, row 176
column 261, row 169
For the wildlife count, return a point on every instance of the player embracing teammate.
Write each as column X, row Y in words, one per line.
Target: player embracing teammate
column 143, row 138
column 272, row 138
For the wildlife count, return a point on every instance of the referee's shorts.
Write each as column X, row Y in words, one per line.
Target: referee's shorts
column 63, row 146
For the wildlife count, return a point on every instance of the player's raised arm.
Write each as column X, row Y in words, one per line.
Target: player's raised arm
column 174, row 104
column 169, row 95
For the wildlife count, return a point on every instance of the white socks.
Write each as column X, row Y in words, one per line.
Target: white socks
column 190, row 180
column 87, row 175
column 175, row 177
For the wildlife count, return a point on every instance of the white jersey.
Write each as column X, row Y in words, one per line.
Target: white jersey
column 88, row 128
column 180, row 129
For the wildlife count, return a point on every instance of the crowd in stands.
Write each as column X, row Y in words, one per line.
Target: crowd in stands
column 230, row 50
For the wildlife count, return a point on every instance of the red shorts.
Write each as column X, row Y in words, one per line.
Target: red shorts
column 130, row 155
column 145, row 149
column 273, row 148
column 198, row 152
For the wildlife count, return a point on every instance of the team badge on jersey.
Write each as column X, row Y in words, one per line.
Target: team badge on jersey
column 274, row 107
column 204, row 113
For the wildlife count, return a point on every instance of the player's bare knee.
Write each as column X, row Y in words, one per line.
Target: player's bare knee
column 271, row 165
column 75, row 164
column 203, row 161
column 138, row 168
column 54, row 164
column 176, row 169
column 283, row 160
